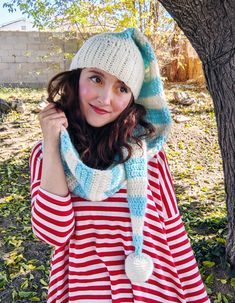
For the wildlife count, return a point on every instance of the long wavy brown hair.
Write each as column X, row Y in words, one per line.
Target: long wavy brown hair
column 98, row 147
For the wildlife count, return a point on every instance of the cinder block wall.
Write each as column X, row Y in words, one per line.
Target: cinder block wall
column 30, row 59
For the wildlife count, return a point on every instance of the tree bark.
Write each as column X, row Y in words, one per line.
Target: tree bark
column 154, row 14
column 210, row 27
column 140, row 16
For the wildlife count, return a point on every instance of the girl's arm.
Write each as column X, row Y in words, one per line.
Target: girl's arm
column 52, row 211
column 52, row 215
column 53, row 177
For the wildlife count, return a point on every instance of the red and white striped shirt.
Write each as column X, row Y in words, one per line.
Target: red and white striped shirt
column 91, row 240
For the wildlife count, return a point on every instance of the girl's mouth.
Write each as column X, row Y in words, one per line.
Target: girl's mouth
column 98, row 110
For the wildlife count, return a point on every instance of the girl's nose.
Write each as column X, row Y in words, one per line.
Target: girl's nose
column 106, row 96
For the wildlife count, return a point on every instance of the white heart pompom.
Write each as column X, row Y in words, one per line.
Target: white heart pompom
column 138, row 268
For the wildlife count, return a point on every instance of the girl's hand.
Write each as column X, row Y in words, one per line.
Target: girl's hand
column 51, row 120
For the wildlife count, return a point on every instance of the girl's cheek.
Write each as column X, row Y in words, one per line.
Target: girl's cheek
column 83, row 91
column 121, row 105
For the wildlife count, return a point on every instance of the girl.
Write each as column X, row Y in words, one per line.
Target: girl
column 102, row 194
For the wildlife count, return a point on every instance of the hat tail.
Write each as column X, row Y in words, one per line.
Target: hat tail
column 138, row 266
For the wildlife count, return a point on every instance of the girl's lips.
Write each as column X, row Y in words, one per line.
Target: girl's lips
column 99, row 110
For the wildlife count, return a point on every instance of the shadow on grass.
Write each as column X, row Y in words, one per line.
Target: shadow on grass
column 208, row 249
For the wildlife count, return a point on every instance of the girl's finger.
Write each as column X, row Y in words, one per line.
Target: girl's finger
column 51, row 106
column 57, row 123
column 51, row 111
column 52, row 115
column 65, row 124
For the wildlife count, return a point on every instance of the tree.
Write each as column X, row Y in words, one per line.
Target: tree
column 81, row 18
column 210, row 27
column 93, row 16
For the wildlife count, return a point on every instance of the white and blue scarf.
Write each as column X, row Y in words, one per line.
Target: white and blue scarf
column 97, row 185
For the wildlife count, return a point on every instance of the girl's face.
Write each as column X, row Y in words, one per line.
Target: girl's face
column 102, row 96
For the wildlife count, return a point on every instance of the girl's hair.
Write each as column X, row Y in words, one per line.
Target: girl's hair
column 98, row 147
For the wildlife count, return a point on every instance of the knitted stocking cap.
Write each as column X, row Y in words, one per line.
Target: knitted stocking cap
column 128, row 56
column 115, row 53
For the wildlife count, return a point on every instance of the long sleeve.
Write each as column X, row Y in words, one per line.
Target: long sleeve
column 178, row 242
column 52, row 215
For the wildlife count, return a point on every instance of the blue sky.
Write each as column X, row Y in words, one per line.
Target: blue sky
column 5, row 16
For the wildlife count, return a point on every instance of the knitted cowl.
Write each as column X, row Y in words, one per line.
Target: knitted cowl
column 97, row 185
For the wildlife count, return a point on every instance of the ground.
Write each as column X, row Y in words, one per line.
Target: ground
column 196, row 166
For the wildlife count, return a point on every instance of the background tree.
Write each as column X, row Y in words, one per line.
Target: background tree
column 82, row 18
column 210, row 27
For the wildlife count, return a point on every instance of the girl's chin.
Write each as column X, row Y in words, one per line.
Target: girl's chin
column 97, row 124
column 94, row 122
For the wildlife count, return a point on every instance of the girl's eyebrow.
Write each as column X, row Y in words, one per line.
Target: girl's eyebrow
column 96, row 72
column 102, row 75
column 123, row 83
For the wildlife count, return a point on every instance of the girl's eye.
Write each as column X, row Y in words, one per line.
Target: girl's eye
column 95, row 79
column 123, row 89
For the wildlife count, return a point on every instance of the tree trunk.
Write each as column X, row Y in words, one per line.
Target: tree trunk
column 153, row 22
column 140, row 16
column 154, row 14
column 210, row 27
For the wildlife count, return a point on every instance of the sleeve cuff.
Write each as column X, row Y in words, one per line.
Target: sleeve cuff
column 54, row 196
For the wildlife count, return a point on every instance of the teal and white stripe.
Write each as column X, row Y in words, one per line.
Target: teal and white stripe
column 92, row 184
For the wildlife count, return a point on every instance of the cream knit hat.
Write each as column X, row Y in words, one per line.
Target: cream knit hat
column 114, row 54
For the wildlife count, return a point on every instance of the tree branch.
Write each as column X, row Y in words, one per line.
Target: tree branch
column 204, row 24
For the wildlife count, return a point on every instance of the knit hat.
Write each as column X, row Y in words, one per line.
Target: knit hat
column 115, row 53
column 96, row 184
